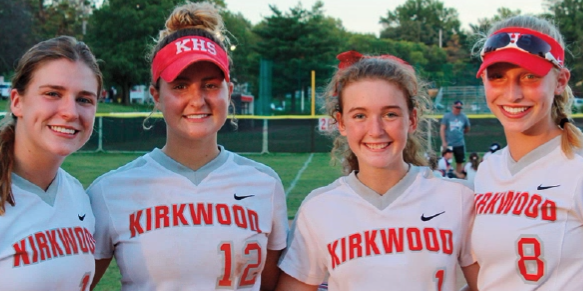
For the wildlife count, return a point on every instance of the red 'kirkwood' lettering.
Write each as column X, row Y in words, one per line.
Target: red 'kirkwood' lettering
column 517, row 204
column 52, row 244
column 177, row 215
column 393, row 240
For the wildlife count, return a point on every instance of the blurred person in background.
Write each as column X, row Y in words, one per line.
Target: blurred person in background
column 454, row 125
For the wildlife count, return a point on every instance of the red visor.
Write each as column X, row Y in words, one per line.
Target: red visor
column 512, row 53
column 181, row 53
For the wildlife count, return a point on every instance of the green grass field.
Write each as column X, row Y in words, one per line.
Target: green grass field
column 317, row 173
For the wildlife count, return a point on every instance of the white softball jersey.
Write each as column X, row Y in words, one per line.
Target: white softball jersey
column 172, row 228
column 528, row 231
column 46, row 239
column 365, row 241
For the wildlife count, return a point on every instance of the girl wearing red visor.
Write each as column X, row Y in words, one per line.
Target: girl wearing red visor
column 192, row 215
column 529, row 196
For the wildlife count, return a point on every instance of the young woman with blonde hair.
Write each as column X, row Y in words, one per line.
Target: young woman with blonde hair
column 529, row 196
column 390, row 223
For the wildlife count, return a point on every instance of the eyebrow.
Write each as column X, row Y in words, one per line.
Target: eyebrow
column 62, row 88
column 384, row 108
column 218, row 77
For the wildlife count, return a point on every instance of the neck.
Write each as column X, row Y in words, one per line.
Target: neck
column 382, row 180
column 519, row 145
column 34, row 167
column 192, row 153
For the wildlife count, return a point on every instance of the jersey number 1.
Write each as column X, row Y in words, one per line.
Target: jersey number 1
column 251, row 267
column 532, row 258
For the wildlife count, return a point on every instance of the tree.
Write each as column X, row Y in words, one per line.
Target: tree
column 16, row 33
column 484, row 24
column 421, row 21
column 297, row 42
column 26, row 22
column 568, row 15
column 243, row 42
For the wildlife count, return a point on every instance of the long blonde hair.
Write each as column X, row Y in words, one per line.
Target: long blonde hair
column 391, row 71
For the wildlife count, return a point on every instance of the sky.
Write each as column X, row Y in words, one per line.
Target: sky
column 363, row 15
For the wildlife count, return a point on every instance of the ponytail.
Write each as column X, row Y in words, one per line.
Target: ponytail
column 6, row 161
column 571, row 138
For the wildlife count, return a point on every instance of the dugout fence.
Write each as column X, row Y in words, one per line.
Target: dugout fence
column 119, row 132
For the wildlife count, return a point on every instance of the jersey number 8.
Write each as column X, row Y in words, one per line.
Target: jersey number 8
column 529, row 255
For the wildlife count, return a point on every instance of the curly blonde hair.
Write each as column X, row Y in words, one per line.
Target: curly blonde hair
column 393, row 72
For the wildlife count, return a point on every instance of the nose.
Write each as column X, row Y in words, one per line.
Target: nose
column 196, row 97
column 376, row 127
column 514, row 92
column 68, row 108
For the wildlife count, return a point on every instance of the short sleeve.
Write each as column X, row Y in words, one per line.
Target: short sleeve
column 468, row 124
column 103, row 225
column 466, row 258
column 444, row 119
column 302, row 259
column 278, row 236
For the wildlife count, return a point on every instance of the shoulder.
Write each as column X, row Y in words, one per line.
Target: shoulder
column 430, row 180
column 323, row 192
column 121, row 171
column 69, row 179
column 253, row 165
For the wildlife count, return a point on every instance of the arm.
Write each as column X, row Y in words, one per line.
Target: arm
column 442, row 134
column 467, row 129
column 100, row 268
column 289, row 283
column 271, row 272
column 471, row 275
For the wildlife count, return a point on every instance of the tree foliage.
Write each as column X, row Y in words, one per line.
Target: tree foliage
column 26, row 22
column 568, row 15
column 298, row 42
column 121, row 34
column 421, row 21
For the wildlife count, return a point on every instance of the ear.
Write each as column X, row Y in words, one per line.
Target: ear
column 340, row 123
column 15, row 103
column 231, row 87
column 155, row 95
column 562, row 81
column 413, row 120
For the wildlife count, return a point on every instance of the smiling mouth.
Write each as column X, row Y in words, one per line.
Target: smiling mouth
column 377, row 146
column 514, row 110
column 64, row 130
column 197, row 116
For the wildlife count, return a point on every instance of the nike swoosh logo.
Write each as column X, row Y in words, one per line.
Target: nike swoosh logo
column 427, row 218
column 81, row 217
column 541, row 187
column 241, row 197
